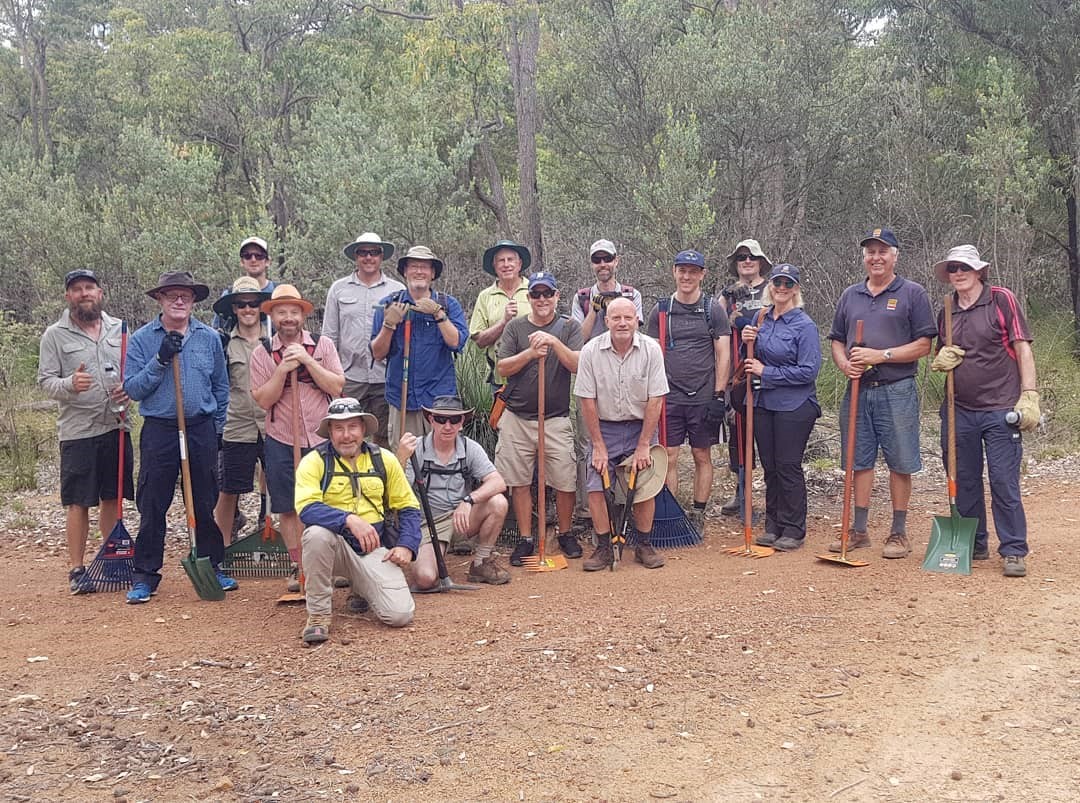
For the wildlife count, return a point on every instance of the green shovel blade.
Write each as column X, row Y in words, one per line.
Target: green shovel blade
column 952, row 540
column 200, row 572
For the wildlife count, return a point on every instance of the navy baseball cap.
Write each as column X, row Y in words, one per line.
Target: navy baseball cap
column 785, row 270
column 544, row 278
column 690, row 258
column 81, row 273
column 881, row 235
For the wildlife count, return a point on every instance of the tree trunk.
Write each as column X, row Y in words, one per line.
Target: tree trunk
column 524, row 46
column 1073, row 256
column 483, row 165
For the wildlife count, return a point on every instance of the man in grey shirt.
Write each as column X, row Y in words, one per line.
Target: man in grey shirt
column 350, row 306
column 79, row 366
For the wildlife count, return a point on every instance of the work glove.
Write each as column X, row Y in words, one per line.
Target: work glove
column 171, row 345
column 600, row 301
column 1028, row 408
column 948, row 358
column 428, row 306
column 395, row 313
column 717, row 409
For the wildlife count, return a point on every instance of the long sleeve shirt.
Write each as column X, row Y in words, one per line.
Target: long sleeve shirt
column 790, row 349
column 350, row 307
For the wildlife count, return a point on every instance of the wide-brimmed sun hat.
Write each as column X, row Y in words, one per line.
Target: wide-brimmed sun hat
column 244, row 286
column 421, row 252
column 179, row 279
column 343, row 409
column 368, row 238
column 287, row 294
column 754, row 247
column 649, row 480
column 518, row 248
column 448, row 405
column 963, row 254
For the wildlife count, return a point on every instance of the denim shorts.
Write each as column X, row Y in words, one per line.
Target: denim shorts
column 620, row 438
column 280, row 476
column 888, row 419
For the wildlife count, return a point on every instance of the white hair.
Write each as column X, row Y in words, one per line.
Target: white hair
column 892, row 250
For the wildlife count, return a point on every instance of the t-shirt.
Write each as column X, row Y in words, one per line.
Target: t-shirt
column 521, row 388
column 689, row 353
column 445, row 491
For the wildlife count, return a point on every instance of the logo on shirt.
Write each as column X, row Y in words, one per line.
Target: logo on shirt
column 891, row 304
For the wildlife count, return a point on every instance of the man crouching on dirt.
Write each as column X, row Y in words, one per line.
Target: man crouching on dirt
column 342, row 489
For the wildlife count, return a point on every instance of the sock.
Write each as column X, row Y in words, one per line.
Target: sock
column 294, row 555
column 699, row 505
column 480, row 554
column 899, row 522
column 861, row 515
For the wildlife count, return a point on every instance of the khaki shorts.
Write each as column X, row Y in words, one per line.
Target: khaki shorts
column 444, row 529
column 515, row 454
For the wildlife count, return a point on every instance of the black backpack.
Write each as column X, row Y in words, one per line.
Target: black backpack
column 331, row 464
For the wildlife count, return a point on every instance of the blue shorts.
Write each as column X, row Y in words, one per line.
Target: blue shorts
column 888, row 419
column 280, row 475
column 620, row 438
column 686, row 422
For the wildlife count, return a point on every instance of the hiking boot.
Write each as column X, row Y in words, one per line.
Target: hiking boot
column 696, row 518
column 855, row 540
column 525, row 547
column 569, row 545
column 980, row 553
column 227, row 583
column 787, row 544
column 732, row 507
column 79, row 581
column 896, row 546
column 766, row 539
column 601, row 558
column 293, row 585
column 647, row 556
column 139, row 593
column 1014, row 566
column 489, row 572
column 341, row 582
column 356, row 604
column 317, row 629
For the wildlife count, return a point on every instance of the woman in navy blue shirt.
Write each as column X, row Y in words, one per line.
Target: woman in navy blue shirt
column 787, row 358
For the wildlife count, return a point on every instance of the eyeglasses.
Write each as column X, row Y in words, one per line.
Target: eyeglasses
column 447, row 419
column 247, row 304
column 955, row 268
column 253, row 255
column 598, row 259
column 174, row 298
column 369, row 252
column 745, row 257
column 541, row 294
column 337, row 408
column 780, row 281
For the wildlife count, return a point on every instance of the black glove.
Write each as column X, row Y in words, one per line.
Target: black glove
column 171, row 345
column 717, row 409
column 220, row 441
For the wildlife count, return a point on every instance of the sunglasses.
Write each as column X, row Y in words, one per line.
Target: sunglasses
column 448, row 419
column 745, row 258
column 369, row 252
column 779, row 281
column 172, row 298
column 541, row 294
column 345, row 407
column 598, row 259
column 954, row 268
column 247, row 304
column 253, row 255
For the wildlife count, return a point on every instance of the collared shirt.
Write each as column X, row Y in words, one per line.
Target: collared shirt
column 621, row 385
column 791, row 351
column 431, row 361
column 350, row 308
column 204, row 379
column 898, row 315
column 330, row 509
column 64, row 347
column 581, row 301
column 246, row 420
column 490, row 307
column 445, row 491
column 313, row 399
column 989, row 376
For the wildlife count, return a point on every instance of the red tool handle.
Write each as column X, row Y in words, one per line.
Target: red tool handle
column 123, row 413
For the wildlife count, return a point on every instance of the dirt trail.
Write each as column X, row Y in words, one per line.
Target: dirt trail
column 713, row 679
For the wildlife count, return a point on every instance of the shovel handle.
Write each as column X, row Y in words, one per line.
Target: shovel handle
column 185, row 468
column 950, row 402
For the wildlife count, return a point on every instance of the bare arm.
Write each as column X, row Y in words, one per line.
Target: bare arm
column 722, row 356
column 1025, row 360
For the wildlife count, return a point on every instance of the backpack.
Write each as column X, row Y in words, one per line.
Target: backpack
column 429, row 467
column 331, row 464
column 664, row 306
column 584, row 296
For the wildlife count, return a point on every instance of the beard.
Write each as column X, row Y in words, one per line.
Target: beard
column 86, row 311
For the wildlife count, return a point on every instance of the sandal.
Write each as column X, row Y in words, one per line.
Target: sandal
column 317, row 629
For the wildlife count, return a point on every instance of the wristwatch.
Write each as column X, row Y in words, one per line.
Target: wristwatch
column 469, row 500
column 887, row 354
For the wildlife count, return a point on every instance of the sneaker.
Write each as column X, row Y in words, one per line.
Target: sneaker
column 569, row 546
column 896, row 546
column 341, row 582
column 79, row 581
column 356, row 604
column 980, row 553
column 696, row 518
column 490, row 572
column 1014, row 566
column 766, row 539
column 139, row 593
column 855, row 540
column 601, row 558
column 787, row 544
column 227, row 583
column 317, row 629
column 647, row 556
column 732, row 507
column 525, row 547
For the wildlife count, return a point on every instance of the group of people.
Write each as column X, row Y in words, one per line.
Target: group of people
column 359, row 428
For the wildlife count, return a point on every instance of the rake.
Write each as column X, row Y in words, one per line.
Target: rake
column 295, row 597
column 262, row 553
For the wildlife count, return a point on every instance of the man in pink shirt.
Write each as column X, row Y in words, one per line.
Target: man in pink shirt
column 294, row 355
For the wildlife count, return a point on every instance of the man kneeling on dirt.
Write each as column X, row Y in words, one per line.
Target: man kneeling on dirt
column 466, row 493
column 343, row 489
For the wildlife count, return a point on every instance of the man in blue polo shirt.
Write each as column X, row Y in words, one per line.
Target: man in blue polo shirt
column 898, row 324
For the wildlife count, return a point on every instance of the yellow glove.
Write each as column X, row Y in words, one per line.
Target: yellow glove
column 948, row 358
column 1028, row 407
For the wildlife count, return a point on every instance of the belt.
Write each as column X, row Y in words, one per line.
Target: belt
column 880, row 383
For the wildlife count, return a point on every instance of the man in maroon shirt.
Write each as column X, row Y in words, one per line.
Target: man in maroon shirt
column 994, row 372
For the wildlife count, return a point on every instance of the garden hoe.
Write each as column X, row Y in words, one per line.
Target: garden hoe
column 541, row 562
column 849, row 471
column 445, row 583
column 199, row 570
column 952, row 537
column 295, row 597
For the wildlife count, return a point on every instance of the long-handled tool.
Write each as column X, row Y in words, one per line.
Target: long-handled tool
column 301, row 595
column 405, row 373
column 260, row 554
column 618, row 539
column 952, row 537
column 113, row 568
column 445, row 583
column 541, row 562
column 199, row 570
column 749, row 549
column 609, row 503
column 849, row 472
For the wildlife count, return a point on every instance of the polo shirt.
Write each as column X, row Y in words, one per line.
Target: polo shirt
column 245, row 420
column 350, row 308
column 898, row 315
column 628, row 382
column 790, row 349
column 989, row 376
column 445, row 491
column 490, row 307
column 521, row 388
